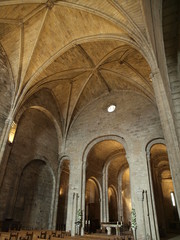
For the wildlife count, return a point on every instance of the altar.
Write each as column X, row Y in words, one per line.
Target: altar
column 109, row 225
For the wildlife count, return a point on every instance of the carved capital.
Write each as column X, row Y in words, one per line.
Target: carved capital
column 153, row 74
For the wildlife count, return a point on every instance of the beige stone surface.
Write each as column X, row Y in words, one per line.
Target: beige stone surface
column 62, row 63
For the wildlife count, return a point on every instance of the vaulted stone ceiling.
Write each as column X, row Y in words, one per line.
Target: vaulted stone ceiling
column 80, row 50
column 159, row 157
column 107, row 153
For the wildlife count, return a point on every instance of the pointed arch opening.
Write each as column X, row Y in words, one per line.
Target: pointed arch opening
column 92, row 211
column 106, row 161
column 36, row 184
column 112, row 200
column 63, row 196
column 165, row 202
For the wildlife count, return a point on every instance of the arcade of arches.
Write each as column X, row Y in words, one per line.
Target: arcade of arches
column 62, row 64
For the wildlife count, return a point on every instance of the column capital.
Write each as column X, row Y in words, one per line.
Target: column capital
column 154, row 74
column 140, row 194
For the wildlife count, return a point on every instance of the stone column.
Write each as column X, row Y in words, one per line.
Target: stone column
column 75, row 197
column 56, row 199
column 83, row 192
column 120, row 202
column 170, row 133
column 159, row 198
column 105, row 195
column 3, row 144
column 71, row 213
column 74, row 213
column 152, row 194
column 139, row 186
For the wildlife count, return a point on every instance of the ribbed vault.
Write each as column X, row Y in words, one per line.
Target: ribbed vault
column 80, row 50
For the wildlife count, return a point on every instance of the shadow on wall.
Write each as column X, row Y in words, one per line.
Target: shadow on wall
column 35, row 186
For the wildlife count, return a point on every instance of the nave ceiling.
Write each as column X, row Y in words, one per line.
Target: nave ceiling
column 80, row 50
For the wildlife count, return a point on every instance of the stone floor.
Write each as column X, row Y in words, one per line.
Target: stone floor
column 103, row 237
column 172, row 237
column 175, row 238
column 113, row 237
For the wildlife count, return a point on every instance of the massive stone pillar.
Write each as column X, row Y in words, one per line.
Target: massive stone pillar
column 57, row 185
column 76, row 197
column 141, row 195
column 72, row 211
column 83, row 192
column 120, row 200
column 105, row 194
column 170, row 133
column 153, row 192
column 6, row 96
column 165, row 77
column 4, row 147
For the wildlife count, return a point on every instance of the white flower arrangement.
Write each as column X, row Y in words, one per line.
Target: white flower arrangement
column 133, row 222
column 79, row 217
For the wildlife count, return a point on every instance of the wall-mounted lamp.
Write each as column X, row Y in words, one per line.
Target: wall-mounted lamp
column 12, row 132
column 173, row 199
column 61, row 191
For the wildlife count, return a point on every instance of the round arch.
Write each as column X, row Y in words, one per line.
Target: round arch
column 61, row 159
column 24, row 180
column 148, row 147
column 100, row 194
column 112, row 202
column 153, row 142
column 105, row 181
column 114, row 189
column 120, row 200
column 50, row 117
column 45, row 160
column 62, row 192
column 84, row 159
column 116, row 138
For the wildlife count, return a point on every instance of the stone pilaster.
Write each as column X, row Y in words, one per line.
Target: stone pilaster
column 140, row 195
column 170, row 132
column 3, row 144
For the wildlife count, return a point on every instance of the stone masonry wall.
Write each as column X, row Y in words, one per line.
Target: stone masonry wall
column 171, row 11
column 35, row 138
column 126, row 195
column 34, row 196
column 5, row 91
column 135, row 119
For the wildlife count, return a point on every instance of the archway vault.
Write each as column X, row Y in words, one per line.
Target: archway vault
column 161, row 186
column 77, row 57
column 109, row 154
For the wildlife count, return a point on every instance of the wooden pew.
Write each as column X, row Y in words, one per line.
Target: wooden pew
column 5, row 235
